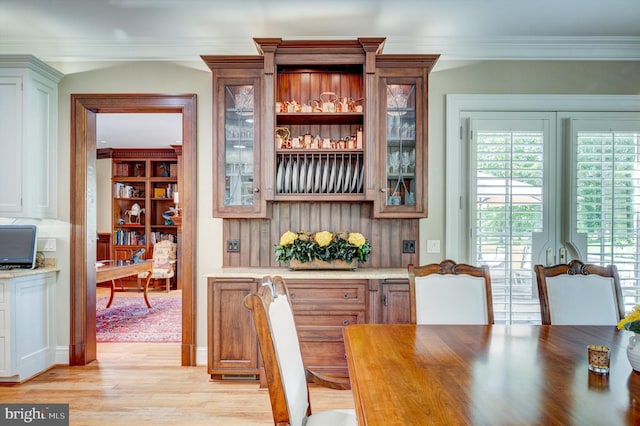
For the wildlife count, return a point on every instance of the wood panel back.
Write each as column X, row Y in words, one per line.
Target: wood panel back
column 258, row 237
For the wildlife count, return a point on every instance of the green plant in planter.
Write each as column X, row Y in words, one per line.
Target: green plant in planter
column 323, row 245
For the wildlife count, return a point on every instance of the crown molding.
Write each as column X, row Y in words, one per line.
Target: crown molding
column 522, row 48
column 449, row 48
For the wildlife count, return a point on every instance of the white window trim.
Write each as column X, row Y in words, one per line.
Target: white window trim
column 455, row 226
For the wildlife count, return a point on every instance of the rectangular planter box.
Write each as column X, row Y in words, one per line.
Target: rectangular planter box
column 296, row 265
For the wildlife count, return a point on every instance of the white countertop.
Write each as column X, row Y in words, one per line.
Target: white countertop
column 14, row 273
column 360, row 273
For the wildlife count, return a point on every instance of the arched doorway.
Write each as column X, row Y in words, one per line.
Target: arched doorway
column 82, row 342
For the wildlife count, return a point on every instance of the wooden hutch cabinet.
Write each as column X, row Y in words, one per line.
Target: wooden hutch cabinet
column 315, row 135
column 318, row 121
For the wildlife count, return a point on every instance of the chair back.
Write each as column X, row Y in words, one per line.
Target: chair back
column 164, row 252
column 579, row 294
column 450, row 293
column 282, row 359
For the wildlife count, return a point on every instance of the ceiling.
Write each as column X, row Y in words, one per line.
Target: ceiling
column 182, row 30
column 69, row 33
column 140, row 130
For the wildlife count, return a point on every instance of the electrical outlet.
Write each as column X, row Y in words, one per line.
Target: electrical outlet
column 233, row 246
column 408, row 246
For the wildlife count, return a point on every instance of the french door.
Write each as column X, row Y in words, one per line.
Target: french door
column 549, row 187
column 605, row 207
column 512, row 185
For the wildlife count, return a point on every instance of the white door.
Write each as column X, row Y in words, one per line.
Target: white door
column 547, row 190
column 513, row 206
column 604, row 208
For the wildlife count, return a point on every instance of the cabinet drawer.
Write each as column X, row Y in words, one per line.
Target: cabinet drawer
column 318, row 293
column 321, row 334
column 305, row 319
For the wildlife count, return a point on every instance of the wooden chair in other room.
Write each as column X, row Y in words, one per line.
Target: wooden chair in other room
column 450, row 293
column 164, row 264
column 579, row 294
column 286, row 375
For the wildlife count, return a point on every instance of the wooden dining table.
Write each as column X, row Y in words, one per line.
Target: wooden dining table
column 489, row 375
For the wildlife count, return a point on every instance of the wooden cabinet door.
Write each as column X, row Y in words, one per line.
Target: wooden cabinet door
column 394, row 301
column 238, row 181
column 401, row 181
column 232, row 339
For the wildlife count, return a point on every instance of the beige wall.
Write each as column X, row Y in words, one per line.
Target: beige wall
column 149, row 77
column 501, row 77
column 144, row 77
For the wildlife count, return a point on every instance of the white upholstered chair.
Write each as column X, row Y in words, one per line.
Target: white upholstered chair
column 450, row 293
column 285, row 373
column 164, row 264
column 579, row 294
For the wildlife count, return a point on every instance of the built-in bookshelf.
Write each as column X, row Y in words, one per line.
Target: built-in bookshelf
column 145, row 187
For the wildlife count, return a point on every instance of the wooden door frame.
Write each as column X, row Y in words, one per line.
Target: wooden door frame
column 84, row 107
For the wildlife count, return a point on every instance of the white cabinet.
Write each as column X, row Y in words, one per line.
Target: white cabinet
column 28, row 142
column 27, row 339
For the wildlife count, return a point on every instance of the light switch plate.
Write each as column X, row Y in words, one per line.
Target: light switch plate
column 433, row 246
column 49, row 244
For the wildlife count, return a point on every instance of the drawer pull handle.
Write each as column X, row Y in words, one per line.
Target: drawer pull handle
column 345, row 295
column 345, row 322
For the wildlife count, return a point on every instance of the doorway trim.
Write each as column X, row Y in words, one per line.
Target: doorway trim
column 84, row 107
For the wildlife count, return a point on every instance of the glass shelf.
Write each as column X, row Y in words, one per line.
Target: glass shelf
column 401, row 144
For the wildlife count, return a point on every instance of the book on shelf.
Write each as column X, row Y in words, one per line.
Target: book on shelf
column 123, row 170
column 159, row 236
column 123, row 190
column 128, row 238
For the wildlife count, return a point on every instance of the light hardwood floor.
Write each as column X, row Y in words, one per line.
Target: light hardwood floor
column 142, row 383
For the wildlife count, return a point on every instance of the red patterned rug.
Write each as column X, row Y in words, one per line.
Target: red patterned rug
column 129, row 320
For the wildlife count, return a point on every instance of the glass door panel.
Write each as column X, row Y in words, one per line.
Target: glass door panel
column 239, row 145
column 509, row 217
column 606, row 198
column 401, row 144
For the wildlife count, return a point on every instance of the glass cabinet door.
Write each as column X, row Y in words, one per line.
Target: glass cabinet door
column 237, row 171
column 239, row 145
column 401, row 145
column 402, row 153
